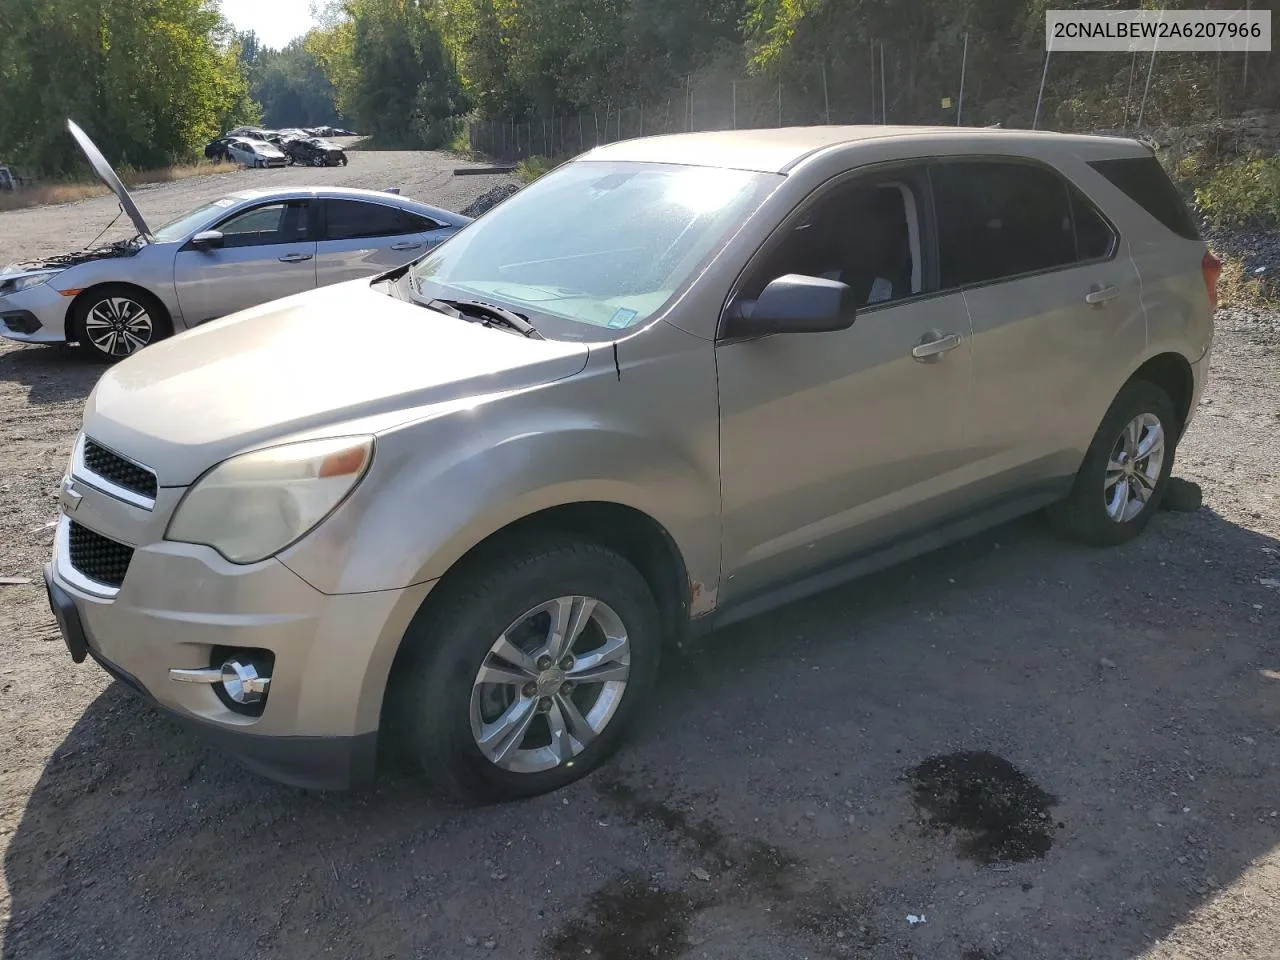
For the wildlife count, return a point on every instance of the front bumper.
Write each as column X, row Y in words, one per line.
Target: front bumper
column 314, row 763
column 184, row 606
column 35, row 315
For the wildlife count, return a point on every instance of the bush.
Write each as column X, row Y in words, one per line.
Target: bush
column 531, row 168
column 1242, row 192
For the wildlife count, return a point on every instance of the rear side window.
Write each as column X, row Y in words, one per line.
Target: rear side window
column 1144, row 182
column 1000, row 219
column 417, row 224
column 1095, row 240
column 354, row 219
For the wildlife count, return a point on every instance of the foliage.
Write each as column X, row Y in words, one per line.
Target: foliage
column 1242, row 192
column 150, row 80
column 392, row 71
column 288, row 84
column 531, row 168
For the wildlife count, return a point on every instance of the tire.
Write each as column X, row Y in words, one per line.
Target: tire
column 442, row 710
column 1106, row 507
column 106, row 324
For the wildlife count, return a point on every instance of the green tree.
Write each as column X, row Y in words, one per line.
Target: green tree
column 154, row 79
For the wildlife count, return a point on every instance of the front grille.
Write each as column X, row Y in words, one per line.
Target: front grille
column 97, row 557
column 121, row 472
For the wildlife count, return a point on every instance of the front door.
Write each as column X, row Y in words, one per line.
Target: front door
column 266, row 254
column 836, row 442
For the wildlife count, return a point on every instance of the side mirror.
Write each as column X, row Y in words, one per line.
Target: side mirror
column 794, row 304
column 207, row 240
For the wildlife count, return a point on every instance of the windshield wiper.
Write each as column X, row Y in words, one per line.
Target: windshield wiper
column 477, row 311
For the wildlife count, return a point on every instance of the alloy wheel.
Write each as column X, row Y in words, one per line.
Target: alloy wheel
column 118, row 326
column 550, row 684
column 1134, row 468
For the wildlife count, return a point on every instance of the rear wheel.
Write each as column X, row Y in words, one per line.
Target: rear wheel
column 1125, row 471
column 527, row 675
column 116, row 321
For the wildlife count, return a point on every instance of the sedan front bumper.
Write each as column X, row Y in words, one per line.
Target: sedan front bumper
column 35, row 315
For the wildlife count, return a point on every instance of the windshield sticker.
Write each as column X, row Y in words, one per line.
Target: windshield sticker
column 622, row 318
column 224, row 202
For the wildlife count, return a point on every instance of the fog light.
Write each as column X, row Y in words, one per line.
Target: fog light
column 240, row 682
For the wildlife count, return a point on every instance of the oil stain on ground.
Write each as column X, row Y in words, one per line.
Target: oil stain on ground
column 628, row 920
column 1000, row 814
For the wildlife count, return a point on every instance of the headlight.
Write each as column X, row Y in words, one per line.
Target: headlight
column 18, row 284
column 252, row 506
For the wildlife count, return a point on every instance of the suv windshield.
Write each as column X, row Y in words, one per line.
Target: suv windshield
column 602, row 245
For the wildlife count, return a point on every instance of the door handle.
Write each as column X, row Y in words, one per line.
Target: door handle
column 406, row 245
column 295, row 258
column 1101, row 295
column 934, row 345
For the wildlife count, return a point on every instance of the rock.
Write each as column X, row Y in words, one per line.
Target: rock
column 700, row 874
column 1109, row 664
column 490, row 199
column 469, row 940
column 1182, row 496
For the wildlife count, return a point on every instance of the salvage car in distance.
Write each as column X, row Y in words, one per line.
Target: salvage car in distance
column 235, row 252
column 314, row 152
column 670, row 384
column 255, row 153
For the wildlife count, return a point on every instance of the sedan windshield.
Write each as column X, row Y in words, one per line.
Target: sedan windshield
column 604, row 246
column 188, row 223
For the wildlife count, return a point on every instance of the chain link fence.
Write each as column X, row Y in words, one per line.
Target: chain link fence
column 878, row 87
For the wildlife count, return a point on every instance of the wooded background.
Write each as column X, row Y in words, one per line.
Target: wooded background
column 154, row 80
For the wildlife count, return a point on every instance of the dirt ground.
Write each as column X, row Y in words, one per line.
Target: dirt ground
column 1034, row 750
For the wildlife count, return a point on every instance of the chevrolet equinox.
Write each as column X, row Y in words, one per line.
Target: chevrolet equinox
column 469, row 502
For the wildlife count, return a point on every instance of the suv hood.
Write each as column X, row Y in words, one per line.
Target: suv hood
column 108, row 176
column 320, row 359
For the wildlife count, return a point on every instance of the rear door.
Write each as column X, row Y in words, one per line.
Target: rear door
column 362, row 237
column 266, row 253
column 1056, row 309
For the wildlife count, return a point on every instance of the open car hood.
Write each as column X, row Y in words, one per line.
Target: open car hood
column 108, row 176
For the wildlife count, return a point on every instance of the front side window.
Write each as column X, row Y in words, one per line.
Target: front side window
column 272, row 223
column 864, row 234
column 595, row 246
column 1000, row 219
column 355, row 219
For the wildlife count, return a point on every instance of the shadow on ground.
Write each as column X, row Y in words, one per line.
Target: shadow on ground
column 51, row 373
column 793, row 794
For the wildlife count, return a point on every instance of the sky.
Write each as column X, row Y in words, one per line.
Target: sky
column 276, row 22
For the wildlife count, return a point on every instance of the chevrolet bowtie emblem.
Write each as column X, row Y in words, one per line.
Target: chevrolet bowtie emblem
column 69, row 496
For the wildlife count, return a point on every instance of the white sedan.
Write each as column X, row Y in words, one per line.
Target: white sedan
column 255, row 153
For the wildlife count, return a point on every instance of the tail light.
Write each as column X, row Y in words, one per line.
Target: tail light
column 1211, row 265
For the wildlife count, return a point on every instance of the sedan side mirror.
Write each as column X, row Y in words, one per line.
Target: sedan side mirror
column 794, row 303
column 207, row 240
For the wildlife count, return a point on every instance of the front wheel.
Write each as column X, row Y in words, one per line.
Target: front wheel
column 1125, row 471
column 117, row 321
column 526, row 676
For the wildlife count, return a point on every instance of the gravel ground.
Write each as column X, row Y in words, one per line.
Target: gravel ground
column 1035, row 750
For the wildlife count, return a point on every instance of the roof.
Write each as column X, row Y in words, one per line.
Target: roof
column 778, row 149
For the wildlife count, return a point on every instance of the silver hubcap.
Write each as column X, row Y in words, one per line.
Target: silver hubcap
column 550, row 684
column 118, row 326
column 1134, row 468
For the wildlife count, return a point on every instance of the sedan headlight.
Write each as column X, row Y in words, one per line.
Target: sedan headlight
column 252, row 506
column 18, row 284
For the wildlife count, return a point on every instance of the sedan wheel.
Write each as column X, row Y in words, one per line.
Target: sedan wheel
column 550, row 684
column 118, row 326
